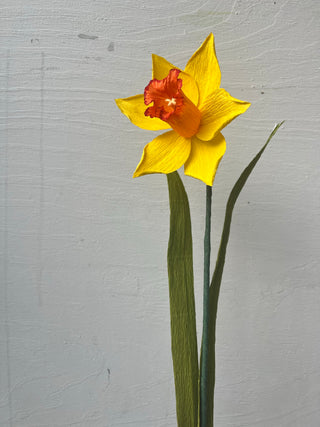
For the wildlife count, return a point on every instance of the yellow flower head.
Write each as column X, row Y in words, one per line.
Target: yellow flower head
column 193, row 105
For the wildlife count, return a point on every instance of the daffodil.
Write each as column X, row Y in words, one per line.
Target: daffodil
column 193, row 105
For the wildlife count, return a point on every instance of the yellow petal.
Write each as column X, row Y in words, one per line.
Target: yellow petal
column 161, row 67
column 217, row 112
column 204, row 158
column 204, row 68
column 165, row 154
column 134, row 108
column 160, row 70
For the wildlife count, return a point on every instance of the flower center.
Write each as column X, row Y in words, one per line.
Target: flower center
column 171, row 105
column 171, row 101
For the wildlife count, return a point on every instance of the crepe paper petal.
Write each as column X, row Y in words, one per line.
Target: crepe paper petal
column 204, row 158
column 134, row 108
column 203, row 66
column 218, row 111
column 217, row 275
column 161, row 68
column 165, row 154
column 182, row 305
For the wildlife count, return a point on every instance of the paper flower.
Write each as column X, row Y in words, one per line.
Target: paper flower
column 193, row 105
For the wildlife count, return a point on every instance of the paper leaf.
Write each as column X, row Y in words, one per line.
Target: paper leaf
column 217, row 275
column 182, row 305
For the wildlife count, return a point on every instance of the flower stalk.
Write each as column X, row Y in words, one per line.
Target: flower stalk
column 206, row 313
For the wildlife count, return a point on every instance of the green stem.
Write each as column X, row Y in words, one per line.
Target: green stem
column 205, row 327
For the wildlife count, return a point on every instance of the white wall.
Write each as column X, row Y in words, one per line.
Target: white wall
column 85, row 337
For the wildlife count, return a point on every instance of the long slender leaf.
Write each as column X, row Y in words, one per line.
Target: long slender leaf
column 217, row 275
column 182, row 305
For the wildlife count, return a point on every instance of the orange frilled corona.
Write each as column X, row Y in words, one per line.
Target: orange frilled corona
column 171, row 105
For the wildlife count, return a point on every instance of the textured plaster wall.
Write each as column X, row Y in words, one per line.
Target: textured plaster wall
column 85, row 337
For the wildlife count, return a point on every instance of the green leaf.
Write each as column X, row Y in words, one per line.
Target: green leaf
column 182, row 305
column 217, row 275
